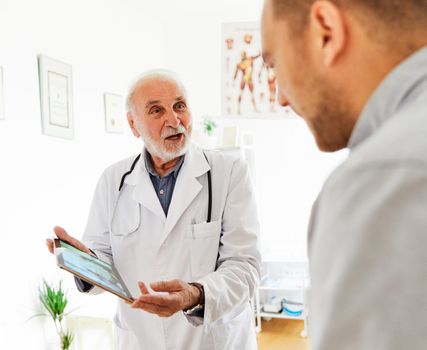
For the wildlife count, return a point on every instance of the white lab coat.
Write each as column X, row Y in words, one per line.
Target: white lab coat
column 130, row 229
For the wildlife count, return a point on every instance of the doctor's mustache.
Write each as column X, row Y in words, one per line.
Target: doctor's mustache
column 169, row 131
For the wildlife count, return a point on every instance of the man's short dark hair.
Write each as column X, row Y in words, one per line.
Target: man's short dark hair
column 378, row 15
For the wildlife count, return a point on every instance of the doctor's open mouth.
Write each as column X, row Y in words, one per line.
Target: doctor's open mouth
column 176, row 137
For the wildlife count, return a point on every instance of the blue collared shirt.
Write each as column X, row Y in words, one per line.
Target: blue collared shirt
column 163, row 185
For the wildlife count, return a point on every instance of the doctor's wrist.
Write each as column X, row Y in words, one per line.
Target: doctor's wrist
column 197, row 296
column 201, row 300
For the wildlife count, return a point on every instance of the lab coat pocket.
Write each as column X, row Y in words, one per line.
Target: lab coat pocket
column 124, row 339
column 126, row 218
column 204, row 245
column 235, row 332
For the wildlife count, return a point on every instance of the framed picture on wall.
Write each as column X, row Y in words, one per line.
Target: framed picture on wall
column 1, row 95
column 114, row 113
column 249, row 86
column 56, row 97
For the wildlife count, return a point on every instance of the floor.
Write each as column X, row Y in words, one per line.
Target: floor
column 281, row 334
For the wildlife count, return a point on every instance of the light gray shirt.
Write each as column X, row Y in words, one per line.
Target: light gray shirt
column 368, row 231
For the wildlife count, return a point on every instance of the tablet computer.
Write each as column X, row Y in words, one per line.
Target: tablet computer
column 90, row 269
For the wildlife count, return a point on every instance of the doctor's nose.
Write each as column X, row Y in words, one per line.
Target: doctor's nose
column 172, row 119
column 283, row 101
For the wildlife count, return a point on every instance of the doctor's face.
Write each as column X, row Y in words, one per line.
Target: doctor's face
column 161, row 118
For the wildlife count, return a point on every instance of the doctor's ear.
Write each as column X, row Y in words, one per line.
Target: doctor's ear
column 131, row 121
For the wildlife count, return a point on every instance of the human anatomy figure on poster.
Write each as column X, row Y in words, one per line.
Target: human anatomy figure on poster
column 246, row 66
column 248, row 86
column 271, row 81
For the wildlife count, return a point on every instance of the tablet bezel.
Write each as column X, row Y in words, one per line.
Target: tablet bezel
column 60, row 262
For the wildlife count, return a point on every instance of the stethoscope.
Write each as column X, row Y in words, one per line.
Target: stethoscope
column 122, row 181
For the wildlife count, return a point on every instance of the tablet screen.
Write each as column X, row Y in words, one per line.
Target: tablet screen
column 91, row 269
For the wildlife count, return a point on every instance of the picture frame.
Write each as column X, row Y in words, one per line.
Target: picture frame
column 2, row 116
column 56, row 97
column 114, row 113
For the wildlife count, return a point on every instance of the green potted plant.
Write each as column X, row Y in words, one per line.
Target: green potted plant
column 209, row 139
column 209, row 126
column 54, row 301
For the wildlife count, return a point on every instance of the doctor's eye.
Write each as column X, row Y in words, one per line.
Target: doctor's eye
column 155, row 110
column 180, row 106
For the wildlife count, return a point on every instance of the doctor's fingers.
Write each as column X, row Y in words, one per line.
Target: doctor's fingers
column 143, row 288
column 162, row 311
column 64, row 236
column 49, row 244
column 172, row 301
column 169, row 286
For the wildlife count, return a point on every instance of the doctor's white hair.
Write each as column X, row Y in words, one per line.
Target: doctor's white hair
column 161, row 75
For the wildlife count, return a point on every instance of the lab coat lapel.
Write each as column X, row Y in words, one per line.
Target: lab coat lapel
column 144, row 192
column 187, row 187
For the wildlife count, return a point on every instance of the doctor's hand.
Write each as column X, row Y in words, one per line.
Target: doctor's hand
column 64, row 236
column 178, row 295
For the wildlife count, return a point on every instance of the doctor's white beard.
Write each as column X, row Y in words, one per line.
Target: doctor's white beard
column 156, row 149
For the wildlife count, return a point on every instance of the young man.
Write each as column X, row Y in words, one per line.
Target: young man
column 356, row 71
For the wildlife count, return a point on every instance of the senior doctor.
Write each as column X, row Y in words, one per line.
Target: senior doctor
column 181, row 218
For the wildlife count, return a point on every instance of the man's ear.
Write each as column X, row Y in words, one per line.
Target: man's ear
column 132, row 125
column 328, row 27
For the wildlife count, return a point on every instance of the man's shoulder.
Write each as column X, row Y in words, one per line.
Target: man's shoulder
column 397, row 146
column 401, row 139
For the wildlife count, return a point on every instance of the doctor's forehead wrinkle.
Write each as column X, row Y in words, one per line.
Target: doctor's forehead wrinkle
column 153, row 102
column 150, row 103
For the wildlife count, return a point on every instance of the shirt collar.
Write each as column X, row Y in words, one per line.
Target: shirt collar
column 150, row 167
column 397, row 88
